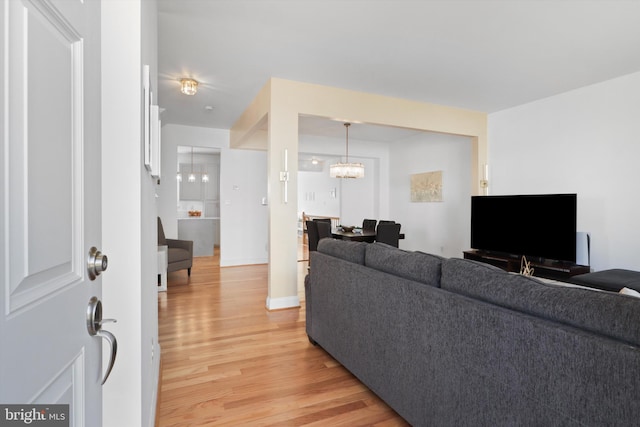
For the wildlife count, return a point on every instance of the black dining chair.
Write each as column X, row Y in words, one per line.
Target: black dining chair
column 388, row 233
column 324, row 229
column 312, row 235
column 369, row 224
column 386, row 221
column 327, row 220
column 317, row 230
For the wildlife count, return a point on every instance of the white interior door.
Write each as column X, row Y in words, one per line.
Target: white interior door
column 50, row 204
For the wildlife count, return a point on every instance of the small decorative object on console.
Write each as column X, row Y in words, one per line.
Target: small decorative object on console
column 195, row 213
column 525, row 267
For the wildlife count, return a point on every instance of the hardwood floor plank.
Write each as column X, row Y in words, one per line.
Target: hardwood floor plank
column 226, row 360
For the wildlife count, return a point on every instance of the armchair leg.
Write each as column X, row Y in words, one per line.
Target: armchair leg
column 189, row 271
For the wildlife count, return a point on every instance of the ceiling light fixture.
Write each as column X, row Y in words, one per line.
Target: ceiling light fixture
column 346, row 169
column 188, row 86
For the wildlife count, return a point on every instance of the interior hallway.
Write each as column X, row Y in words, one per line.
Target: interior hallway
column 226, row 360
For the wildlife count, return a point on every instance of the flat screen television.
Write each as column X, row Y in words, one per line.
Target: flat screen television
column 539, row 226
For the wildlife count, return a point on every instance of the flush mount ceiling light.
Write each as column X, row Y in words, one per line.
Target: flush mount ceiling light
column 346, row 169
column 188, row 86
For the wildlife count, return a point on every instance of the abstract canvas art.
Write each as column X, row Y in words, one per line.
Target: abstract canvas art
column 426, row 187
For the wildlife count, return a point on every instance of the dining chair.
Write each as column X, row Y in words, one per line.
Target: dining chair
column 326, row 220
column 386, row 221
column 324, row 229
column 312, row 235
column 369, row 224
column 388, row 233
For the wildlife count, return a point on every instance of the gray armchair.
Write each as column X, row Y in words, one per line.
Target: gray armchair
column 180, row 252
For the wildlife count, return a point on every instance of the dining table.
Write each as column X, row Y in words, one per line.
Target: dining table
column 357, row 235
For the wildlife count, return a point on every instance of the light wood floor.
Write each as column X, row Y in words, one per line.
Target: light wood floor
column 226, row 360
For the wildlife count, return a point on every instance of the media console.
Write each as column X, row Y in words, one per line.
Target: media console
column 556, row 270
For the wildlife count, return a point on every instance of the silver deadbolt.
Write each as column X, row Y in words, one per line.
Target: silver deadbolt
column 94, row 327
column 96, row 263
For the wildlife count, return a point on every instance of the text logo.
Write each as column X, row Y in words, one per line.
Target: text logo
column 34, row 415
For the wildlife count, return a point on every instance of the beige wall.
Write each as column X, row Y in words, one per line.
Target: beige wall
column 277, row 108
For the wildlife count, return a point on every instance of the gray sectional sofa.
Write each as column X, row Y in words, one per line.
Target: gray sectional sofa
column 453, row 342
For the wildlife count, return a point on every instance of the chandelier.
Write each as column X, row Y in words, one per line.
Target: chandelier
column 346, row 170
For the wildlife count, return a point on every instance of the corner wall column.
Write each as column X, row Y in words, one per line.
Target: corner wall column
column 283, row 216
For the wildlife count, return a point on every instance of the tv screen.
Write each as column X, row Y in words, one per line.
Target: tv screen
column 537, row 226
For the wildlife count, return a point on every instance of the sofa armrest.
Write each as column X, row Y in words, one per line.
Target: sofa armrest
column 181, row 244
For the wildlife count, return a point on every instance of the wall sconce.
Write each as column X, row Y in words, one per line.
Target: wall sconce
column 484, row 182
column 188, row 86
column 284, row 177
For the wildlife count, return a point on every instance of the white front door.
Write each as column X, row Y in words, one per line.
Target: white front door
column 50, row 204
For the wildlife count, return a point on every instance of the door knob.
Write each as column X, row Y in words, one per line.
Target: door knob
column 94, row 327
column 96, row 263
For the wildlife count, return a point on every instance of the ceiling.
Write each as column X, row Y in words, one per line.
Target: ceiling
column 474, row 54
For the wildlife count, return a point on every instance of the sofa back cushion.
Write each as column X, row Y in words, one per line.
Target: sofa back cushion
column 607, row 313
column 349, row 251
column 161, row 239
column 417, row 266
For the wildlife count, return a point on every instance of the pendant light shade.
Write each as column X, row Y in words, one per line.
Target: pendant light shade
column 346, row 169
column 192, row 176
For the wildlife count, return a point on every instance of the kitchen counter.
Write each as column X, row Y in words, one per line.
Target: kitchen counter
column 203, row 231
column 199, row 217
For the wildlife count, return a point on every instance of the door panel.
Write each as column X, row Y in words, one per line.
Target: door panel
column 46, row 243
column 50, row 211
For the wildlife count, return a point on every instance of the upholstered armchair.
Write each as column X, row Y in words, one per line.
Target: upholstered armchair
column 180, row 252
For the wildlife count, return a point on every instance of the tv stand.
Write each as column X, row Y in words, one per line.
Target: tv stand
column 556, row 270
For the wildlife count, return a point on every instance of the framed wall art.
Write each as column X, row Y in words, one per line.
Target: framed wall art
column 426, row 187
column 146, row 115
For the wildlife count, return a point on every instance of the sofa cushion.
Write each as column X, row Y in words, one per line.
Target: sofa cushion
column 349, row 251
column 161, row 237
column 178, row 254
column 417, row 266
column 605, row 313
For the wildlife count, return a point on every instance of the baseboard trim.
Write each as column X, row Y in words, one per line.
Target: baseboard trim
column 283, row 303
column 233, row 262
column 154, row 419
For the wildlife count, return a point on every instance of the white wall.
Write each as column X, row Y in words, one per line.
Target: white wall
column 440, row 228
column 587, row 142
column 129, row 294
column 149, row 346
column 243, row 217
column 318, row 192
column 243, row 184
